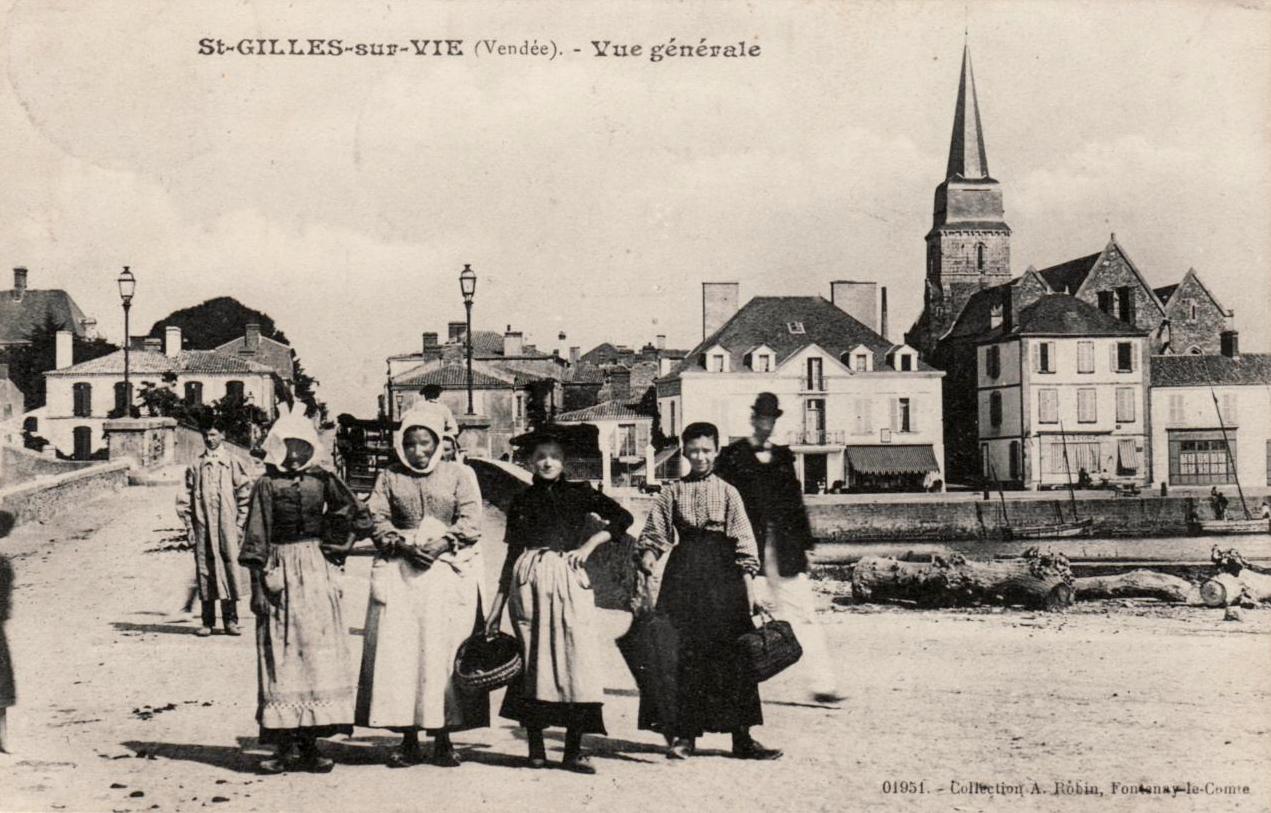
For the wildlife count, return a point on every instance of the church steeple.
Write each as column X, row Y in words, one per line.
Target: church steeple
column 967, row 158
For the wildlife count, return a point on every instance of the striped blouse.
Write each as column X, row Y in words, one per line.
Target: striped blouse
column 704, row 504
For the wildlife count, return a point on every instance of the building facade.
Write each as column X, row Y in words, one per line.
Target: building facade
column 82, row 397
column 1211, row 419
column 1061, row 396
column 860, row 412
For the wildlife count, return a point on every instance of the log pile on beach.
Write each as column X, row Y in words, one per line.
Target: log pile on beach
column 1044, row 580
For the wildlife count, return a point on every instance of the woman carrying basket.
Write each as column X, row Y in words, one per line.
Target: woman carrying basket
column 425, row 595
column 546, row 588
column 707, row 593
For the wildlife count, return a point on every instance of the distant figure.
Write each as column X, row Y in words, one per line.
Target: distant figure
column 213, row 505
column 432, row 398
column 1218, row 502
column 1265, row 513
column 1083, row 478
column 7, row 694
column 448, row 450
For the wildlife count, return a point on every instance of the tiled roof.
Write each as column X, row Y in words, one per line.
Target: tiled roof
column 1166, row 292
column 974, row 318
column 766, row 320
column 1191, row 371
column 584, row 372
column 453, row 377
column 1064, row 315
column 605, row 410
column 19, row 318
column 1066, row 278
column 147, row 362
column 271, row 352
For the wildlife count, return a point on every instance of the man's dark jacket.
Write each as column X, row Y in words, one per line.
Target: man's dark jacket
column 772, row 495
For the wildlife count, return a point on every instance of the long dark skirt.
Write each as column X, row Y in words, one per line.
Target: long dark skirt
column 704, row 596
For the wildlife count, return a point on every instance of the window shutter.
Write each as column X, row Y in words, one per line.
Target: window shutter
column 1037, row 357
column 895, row 414
column 1112, row 357
column 914, row 404
column 1134, row 356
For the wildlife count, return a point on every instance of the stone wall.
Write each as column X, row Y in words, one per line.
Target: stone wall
column 1205, row 330
column 20, row 465
column 45, row 497
column 837, row 520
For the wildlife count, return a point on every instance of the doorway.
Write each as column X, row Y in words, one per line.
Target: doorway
column 815, row 469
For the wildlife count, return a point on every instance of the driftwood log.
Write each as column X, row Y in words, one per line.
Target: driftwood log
column 1244, row 588
column 1137, row 584
column 1036, row 581
column 1238, row 582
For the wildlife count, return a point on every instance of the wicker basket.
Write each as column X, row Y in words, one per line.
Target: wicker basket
column 482, row 664
column 770, row 649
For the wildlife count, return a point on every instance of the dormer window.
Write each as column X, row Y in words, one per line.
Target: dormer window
column 761, row 359
column 717, row 360
column 795, row 328
column 859, row 359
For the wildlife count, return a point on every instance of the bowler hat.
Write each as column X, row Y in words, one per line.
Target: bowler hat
column 766, row 406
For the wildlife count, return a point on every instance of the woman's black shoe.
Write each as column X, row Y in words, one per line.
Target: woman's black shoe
column 750, row 749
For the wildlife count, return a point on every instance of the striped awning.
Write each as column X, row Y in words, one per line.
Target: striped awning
column 1129, row 455
column 892, row 459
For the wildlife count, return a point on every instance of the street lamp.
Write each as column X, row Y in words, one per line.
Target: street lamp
column 468, row 287
column 127, row 285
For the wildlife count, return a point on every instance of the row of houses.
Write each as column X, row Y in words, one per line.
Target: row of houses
column 80, row 398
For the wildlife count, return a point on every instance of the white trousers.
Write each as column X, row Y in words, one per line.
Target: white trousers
column 793, row 601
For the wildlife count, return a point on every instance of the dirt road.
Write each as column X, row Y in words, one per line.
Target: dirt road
column 121, row 707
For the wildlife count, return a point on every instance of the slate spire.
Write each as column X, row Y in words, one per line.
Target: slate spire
column 967, row 158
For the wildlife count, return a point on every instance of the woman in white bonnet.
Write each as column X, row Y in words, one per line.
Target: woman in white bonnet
column 425, row 595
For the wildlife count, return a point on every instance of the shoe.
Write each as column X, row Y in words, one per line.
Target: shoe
column 446, row 758
column 751, row 749
column 681, row 749
column 203, row 632
column 537, row 762
column 578, row 763
column 405, row 757
column 231, row 628
column 287, row 759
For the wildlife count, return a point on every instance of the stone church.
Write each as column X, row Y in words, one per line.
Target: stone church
column 969, row 285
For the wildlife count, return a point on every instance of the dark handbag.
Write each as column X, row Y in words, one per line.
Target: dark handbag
column 651, row 649
column 769, row 649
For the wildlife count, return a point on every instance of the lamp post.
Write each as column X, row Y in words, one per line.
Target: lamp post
column 127, row 286
column 468, row 287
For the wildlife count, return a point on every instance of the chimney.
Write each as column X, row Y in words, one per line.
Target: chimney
column 512, row 342
column 251, row 338
column 882, row 311
column 455, row 331
column 19, row 283
column 430, row 345
column 574, row 353
column 720, row 301
column 1230, row 340
column 90, row 328
column 172, row 341
column 619, row 380
column 659, row 341
column 858, row 300
column 64, row 354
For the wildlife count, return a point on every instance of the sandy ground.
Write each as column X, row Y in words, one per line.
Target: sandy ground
column 122, row 708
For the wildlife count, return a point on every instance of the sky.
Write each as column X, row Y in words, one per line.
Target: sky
column 592, row 195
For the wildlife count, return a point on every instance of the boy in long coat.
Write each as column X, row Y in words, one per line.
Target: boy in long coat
column 213, row 505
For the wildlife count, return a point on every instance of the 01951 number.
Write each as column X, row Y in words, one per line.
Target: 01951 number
column 904, row 786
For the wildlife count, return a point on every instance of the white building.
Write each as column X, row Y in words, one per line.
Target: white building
column 859, row 410
column 1197, row 442
column 1060, row 389
column 79, row 398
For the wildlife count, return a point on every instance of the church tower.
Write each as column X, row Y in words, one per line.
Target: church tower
column 969, row 245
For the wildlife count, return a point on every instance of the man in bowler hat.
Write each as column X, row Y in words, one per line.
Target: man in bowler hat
column 763, row 472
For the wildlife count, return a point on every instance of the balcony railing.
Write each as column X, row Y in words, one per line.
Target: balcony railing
column 815, row 437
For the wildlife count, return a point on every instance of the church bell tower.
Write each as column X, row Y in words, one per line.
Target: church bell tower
column 969, row 245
